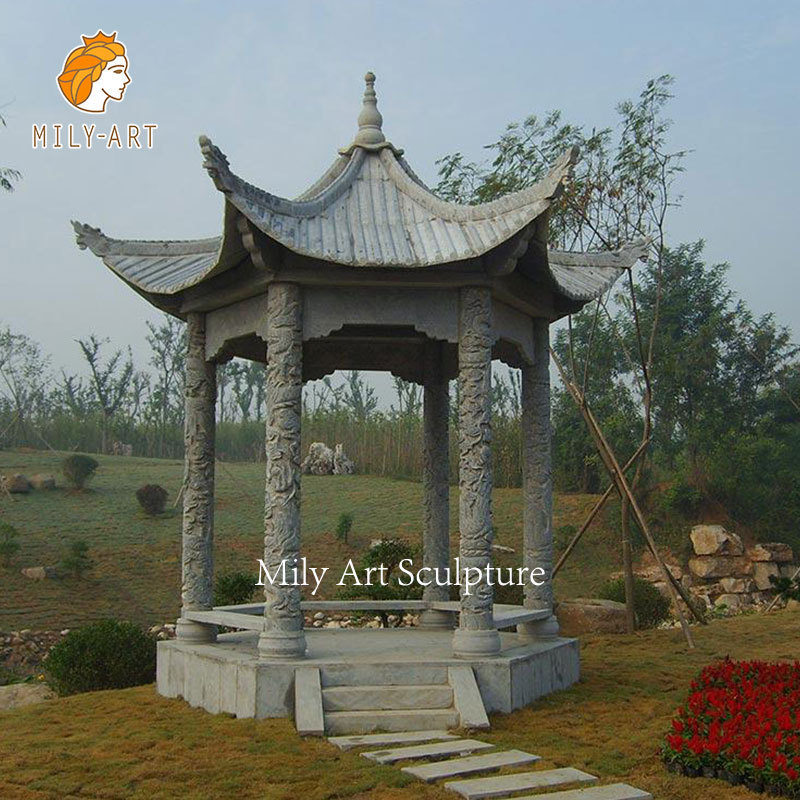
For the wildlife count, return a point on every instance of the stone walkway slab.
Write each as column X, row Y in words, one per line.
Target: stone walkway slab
column 470, row 764
column 435, row 750
column 478, row 788
column 612, row 791
column 373, row 739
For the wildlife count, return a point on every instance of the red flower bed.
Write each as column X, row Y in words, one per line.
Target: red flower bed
column 741, row 723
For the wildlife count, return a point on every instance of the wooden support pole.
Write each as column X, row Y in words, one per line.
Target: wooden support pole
column 596, row 510
column 621, row 482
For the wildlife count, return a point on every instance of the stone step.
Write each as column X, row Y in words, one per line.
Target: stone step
column 611, row 791
column 501, row 785
column 352, row 722
column 402, row 737
column 435, row 750
column 469, row 765
column 386, row 698
column 382, row 674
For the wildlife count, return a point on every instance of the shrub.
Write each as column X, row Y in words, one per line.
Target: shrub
column 77, row 560
column 9, row 546
column 234, row 588
column 104, row 655
column 649, row 606
column 343, row 526
column 152, row 498
column 387, row 553
column 78, row 469
column 682, row 499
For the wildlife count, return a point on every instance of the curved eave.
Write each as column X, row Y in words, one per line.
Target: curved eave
column 372, row 211
column 164, row 267
column 584, row 276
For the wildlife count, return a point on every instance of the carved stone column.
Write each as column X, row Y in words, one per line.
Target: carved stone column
column 537, row 487
column 198, row 491
column 283, row 620
column 476, row 634
column 436, row 483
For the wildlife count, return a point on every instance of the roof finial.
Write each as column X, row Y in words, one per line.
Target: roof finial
column 370, row 119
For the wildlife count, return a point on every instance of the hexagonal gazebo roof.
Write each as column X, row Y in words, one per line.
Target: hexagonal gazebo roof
column 369, row 223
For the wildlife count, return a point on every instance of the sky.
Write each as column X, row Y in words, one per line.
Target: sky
column 277, row 86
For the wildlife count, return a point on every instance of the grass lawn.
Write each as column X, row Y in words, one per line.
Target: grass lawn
column 134, row 744
column 137, row 573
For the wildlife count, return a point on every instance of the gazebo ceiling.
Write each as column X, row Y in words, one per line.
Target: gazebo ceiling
column 370, row 212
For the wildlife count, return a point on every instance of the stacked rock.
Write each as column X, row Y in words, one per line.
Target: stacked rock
column 725, row 574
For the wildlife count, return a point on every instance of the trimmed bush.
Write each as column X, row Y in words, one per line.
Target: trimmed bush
column 649, row 606
column 104, row 655
column 343, row 526
column 9, row 546
column 77, row 561
column 152, row 498
column 79, row 469
column 234, row 588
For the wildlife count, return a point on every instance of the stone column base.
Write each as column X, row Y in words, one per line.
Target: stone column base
column 475, row 644
column 436, row 620
column 281, row 645
column 195, row 632
column 540, row 629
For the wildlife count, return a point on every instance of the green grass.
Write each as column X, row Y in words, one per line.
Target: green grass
column 137, row 576
column 134, row 744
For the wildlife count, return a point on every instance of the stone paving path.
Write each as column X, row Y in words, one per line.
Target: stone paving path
column 472, row 759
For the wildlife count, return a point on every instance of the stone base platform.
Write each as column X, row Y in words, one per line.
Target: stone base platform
column 227, row 676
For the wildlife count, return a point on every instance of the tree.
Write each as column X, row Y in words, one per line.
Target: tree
column 358, row 396
column 8, row 176
column 24, row 374
column 109, row 382
column 168, row 356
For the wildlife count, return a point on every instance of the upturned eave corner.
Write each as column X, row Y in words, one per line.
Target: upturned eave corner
column 88, row 237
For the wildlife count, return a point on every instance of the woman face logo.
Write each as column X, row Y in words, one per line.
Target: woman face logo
column 113, row 80
column 95, row 73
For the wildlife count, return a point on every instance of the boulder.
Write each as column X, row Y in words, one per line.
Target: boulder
column 16, row 484
column 731, row 601
column 737, row 585
column 788, row 570
column 762, row 570
column 39, row 573
column 17, row 695
column 319, row 460
column 771, row 551
column 589, row 615
column 342, row 465
column 720, row 566
column 714, row 540
column 43, row 482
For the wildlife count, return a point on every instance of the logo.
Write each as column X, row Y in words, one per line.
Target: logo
column 92, row 75
column 95, row 73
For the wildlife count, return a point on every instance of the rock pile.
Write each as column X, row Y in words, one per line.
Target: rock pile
column 321, row 460
column 23, row 652
column 16, row 484
column 724, row 573
column 21, row 484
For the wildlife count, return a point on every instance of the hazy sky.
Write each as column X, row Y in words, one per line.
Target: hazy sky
column 278, row 86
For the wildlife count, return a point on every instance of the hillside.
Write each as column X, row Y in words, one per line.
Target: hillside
column 137, row 573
